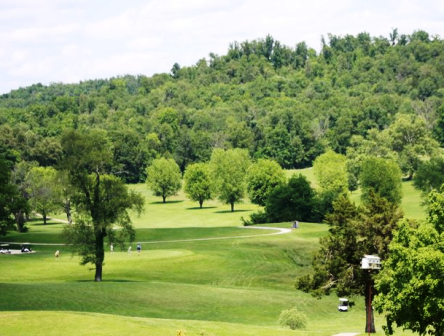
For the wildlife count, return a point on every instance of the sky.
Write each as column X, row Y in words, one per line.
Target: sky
column 68, row 41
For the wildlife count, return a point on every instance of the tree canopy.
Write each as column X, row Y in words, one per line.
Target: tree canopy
column 228, row 171
column 383, row 177
column 288, row 104
column 164, row 178
column 262, row 177
column 410, row 285
column 198, row 185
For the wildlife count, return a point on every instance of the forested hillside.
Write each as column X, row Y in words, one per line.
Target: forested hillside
column 286, row 103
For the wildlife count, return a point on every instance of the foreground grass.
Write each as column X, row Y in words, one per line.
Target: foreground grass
column 226, row 287
column 47, row 324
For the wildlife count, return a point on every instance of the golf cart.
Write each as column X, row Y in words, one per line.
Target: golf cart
column 26, row 248
column 4, row 248
column 343, row 305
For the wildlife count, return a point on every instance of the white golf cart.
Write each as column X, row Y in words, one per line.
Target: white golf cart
column 343, row 305
column 4, row 249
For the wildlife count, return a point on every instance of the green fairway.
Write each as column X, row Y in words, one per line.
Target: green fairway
column 179, row 212
column 197, row 272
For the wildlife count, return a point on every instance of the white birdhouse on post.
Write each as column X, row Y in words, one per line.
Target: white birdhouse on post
column 371, row 262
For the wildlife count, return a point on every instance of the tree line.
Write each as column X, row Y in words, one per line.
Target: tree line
column 288, row 104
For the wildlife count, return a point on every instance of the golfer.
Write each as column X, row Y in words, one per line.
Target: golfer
column 139, row 248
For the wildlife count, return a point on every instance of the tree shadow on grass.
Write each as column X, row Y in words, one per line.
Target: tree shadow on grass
column 108, row 280
column 199, row 208
column 33, row 220
column 167, row 202
column 229, row 211
column 48, row 223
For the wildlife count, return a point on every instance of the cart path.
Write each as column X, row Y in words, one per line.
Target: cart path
column 279, row 231
column 347, row 334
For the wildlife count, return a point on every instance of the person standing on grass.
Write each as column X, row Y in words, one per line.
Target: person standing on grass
column 57, row 253
column 112, row 247
column 139, row 248
column 129, row 250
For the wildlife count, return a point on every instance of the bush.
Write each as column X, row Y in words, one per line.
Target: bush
column 259, row 217
column 293, row 318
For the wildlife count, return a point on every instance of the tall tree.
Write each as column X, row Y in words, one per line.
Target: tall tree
column 101, row 200
column 292, row 201
column 228, row 171
column 41, row 188
column 411, row 284
column 164, row 178
column 429, row 175
column 383, row 177
column 18, row 177
column 354, row 232
column 198, row 184
column 412, row 140
column 262, row 177
column 9, row 197
column 331, row 172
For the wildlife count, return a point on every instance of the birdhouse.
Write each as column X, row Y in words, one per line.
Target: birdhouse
column 371, row 262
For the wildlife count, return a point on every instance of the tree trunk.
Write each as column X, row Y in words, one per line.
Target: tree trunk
column 44, row 217
column 19, row 220
column 164, row 199
column 100, row 254
column 369, row 316
column 200, row 203
column 67, row 209
column 232, row 206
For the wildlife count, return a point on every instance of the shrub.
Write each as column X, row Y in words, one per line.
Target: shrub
column 259, row 217
column 293, row 318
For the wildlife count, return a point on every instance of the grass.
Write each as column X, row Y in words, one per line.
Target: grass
column 179, row 212
column 234, row 286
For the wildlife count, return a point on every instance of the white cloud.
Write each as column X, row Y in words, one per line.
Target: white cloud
column 63, row 41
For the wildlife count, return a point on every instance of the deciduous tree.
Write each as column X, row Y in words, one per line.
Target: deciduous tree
column 262, row 177
column 331, row 172
column 198, row 184
column 164, row 178
column 101, row 200
column 42, row 190
column 291, row 201
column 9, row 197
column 228, row 171
column 411, row 283
column 382, row 176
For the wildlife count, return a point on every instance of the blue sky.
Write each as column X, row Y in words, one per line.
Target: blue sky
column 46, row 41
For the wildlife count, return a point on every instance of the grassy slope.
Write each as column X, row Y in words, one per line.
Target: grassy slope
column 222, row 287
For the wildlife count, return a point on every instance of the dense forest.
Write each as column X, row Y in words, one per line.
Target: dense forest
column 357, row 95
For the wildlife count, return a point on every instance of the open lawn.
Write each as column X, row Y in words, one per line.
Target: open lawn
column 184, row 279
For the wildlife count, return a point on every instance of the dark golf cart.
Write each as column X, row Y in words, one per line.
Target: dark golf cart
column 26, row 248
